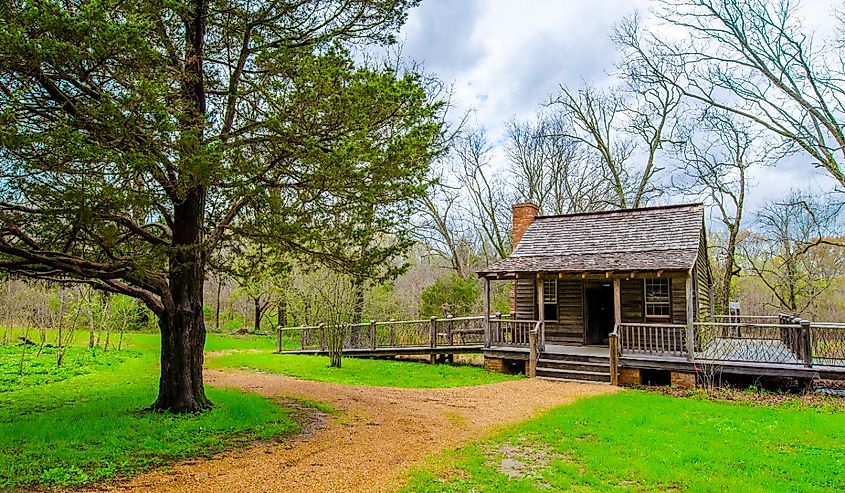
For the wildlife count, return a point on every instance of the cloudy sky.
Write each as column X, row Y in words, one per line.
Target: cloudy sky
column 506, row 57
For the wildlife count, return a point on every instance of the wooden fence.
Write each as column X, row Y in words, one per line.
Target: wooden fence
column 432, row 333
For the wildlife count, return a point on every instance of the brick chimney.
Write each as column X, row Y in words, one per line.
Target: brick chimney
column 523, row 215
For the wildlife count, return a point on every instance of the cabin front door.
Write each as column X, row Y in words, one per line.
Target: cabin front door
column 599, row 301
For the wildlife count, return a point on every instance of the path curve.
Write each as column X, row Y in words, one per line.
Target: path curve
column 381, row 433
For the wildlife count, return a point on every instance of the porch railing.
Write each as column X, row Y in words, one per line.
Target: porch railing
column 511, row 333
column 653, row 339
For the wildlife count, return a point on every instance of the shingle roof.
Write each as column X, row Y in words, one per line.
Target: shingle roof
column 652, row 238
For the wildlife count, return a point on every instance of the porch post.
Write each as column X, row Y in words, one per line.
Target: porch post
column 486, row 311
column 541, row 316
column 690, row 316
column 617, row 302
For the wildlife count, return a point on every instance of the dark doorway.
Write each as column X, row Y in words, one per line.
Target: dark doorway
column 599, row 298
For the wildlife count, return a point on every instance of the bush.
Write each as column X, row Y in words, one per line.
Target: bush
column 454, row 295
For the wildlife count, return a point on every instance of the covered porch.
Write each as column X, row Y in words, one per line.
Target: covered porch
column 582, row 309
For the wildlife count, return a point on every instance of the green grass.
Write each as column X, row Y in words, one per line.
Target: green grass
column 85, row 422
column 22, row 366
column 638, row 441
column 380, row 373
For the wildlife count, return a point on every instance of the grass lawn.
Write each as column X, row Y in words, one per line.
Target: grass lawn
column 380, row 373
column 640, row 441
column 84, row 422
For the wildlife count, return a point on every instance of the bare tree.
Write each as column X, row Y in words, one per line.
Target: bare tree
column 717, row 153
column 551, row 169
column 797, row 252
column 753, row 58
column 625, row 129
column 488, row 202
column 441, row 227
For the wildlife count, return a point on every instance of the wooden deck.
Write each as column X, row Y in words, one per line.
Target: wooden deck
column 785, row 349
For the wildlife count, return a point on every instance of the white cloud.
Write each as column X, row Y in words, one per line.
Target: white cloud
column 506, row 57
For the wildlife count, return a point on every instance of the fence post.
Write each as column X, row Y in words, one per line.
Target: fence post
column 532, row 353
column 807, row 343
column 322, row 329
column 449, row 324
column 373, row 335
column 279, row 338
column 613, row 340
column 433, row 322
column 392, row 334
column 497, row 333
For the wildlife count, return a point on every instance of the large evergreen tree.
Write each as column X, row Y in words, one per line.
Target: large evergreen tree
column 137, row 136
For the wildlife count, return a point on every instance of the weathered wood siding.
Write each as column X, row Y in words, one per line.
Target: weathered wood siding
column 631, row 293
column 678, row 296
column 702, row 280
column 569, row 327
column 526, row 300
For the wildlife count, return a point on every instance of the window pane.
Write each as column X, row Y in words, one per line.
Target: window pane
column 549, row 311
column 549, row 291
column 657, row 298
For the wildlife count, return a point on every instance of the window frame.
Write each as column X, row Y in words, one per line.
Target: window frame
column 667, row 304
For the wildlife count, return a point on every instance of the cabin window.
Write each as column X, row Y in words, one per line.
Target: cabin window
column 657, row 301
column 549, row 299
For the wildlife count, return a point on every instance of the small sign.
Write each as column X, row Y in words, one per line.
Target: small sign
column 733, row 305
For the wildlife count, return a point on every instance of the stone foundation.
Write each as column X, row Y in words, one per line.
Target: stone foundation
column 501, row 365
column 683, row 380
column 494, row 364
column 630, row 376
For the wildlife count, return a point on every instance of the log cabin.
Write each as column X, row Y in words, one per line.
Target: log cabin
column 580, row 275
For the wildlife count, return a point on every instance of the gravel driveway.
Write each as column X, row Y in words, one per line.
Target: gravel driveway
column 379, row 435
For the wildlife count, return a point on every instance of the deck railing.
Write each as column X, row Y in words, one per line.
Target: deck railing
column 434, row 332
column 782, row 340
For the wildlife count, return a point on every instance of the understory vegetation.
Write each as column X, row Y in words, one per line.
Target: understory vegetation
column 645, row 441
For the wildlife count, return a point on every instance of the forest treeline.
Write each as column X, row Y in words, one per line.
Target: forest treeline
column 739, row 89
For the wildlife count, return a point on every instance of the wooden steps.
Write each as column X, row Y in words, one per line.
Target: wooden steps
column 574, row 367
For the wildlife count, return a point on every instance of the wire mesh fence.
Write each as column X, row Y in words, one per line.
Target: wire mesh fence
column 746, row 342
column 828, row 343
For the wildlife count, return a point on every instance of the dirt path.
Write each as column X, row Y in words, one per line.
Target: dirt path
column 381, row 433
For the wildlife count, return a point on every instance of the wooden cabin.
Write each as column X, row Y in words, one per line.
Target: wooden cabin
column 580, row 274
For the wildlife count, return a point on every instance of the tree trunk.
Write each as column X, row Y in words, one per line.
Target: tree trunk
column 283, row 309
column 358, row 313
column 730, row 255
column 217, row 308
column 182, row 326
column 180, row 388
column 258, row 310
